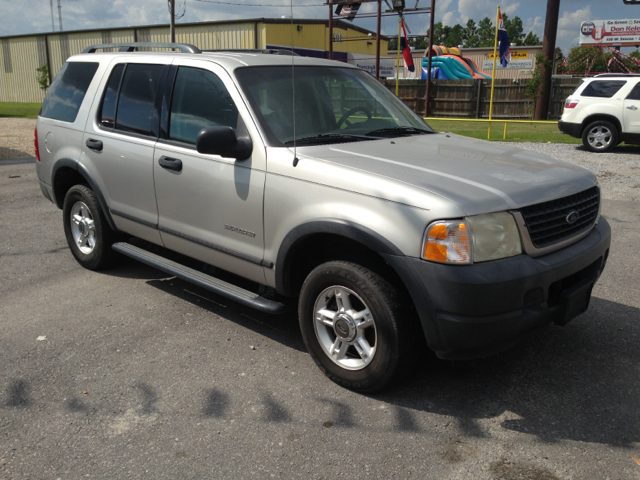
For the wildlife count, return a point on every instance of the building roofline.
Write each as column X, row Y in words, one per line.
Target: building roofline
column 304, row 21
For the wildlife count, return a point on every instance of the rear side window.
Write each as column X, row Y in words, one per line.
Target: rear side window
column 134, row 110
column 200, row 100
column 67, row 91
column 603, row 88
column 108, row 108
column 635, row 93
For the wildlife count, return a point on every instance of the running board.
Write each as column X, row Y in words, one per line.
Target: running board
column 232, row 292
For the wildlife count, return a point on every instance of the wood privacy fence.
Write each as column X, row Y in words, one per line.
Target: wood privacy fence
column 471, row 98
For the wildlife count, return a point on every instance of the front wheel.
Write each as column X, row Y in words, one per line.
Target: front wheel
column 352, row 321
column 85, row 226
column 600, row 136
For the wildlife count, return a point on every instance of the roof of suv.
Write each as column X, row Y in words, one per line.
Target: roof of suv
column 229, row 59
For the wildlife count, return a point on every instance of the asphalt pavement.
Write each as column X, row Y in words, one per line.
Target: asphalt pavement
column 132, row 374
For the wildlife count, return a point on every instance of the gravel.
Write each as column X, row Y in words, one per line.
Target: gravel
column 16, row 137
column 618, row 171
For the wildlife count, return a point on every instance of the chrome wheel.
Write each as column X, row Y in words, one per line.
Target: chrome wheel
column 599, row 137
column 345, row 328
column 82, row 227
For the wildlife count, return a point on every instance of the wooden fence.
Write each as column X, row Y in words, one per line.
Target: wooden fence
column 471, row 98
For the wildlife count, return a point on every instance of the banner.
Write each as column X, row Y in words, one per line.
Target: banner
column 609, row 32
column 522, row 64
column 514, row 55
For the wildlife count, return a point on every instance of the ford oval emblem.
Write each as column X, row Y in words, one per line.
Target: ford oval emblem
column 572, row 217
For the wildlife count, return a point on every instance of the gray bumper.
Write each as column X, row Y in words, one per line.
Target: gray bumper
column 475, row 310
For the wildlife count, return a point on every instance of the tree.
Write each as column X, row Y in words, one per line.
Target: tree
column 43, row 77
column 514, row 28
column 534, row 84
column 532, row 39
column 472, row 40
column 456, row 36
column 486, row 33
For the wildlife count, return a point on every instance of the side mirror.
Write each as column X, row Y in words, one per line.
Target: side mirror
column 223, row 141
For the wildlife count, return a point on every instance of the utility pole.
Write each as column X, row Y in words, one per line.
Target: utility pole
column 330, row 30
column 429, row 55
column 53, row 25
column 548, row 50
column 60, row 14
column 172, row 28
column 378, row 40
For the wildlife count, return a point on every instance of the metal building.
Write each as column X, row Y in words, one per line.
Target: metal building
column 23, row 54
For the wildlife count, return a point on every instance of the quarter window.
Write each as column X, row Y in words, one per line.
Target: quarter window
column 108, row 108
column 200, row 100
column 67, row 91
column 635, row 93
column 134, row 112
column 603, row 88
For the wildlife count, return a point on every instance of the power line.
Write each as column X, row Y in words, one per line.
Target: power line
column 258, row 4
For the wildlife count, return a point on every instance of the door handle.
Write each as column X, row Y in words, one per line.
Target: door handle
column 632, row 107
column 93, row 144
column 170, row 163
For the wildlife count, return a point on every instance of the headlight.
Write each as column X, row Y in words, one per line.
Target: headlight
column 479, row 238
column 447, row 241
column 494, row 236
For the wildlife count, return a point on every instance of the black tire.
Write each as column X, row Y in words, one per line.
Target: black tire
column 102, row 255
column 389, row 313
column 611, row 136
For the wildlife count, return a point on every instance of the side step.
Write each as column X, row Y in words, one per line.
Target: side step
column 237, row 294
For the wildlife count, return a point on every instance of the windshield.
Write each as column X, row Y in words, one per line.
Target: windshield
column 332, row 104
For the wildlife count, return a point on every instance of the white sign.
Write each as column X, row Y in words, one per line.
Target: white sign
column 487, row 66
column 368, row 63
column 610, row 32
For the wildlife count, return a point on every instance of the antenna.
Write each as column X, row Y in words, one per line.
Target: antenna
column 293, row 90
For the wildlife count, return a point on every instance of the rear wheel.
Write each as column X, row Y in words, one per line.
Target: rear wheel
column 600, row 136
column 353, row 324
column 86, row 229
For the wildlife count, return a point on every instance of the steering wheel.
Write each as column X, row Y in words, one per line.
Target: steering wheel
column 343, row 118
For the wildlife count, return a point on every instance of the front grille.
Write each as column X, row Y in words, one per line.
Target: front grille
column 547, row 222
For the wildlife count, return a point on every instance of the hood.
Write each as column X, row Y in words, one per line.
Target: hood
column 478, row 175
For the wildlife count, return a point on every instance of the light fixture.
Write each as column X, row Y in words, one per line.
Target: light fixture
column 299, row 27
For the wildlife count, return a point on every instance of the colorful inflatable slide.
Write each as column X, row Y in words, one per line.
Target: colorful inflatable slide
column 449, row 63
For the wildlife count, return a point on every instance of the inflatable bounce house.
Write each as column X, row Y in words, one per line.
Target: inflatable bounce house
column 449, row 63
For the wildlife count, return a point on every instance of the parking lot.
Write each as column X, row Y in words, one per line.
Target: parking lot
column 129, row 373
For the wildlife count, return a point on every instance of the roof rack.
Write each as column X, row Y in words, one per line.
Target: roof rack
column 271, row 51
column 131, row 47
column 601, row 75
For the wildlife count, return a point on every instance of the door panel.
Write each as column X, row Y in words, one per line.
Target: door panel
column 631, row 111
column 211, row 207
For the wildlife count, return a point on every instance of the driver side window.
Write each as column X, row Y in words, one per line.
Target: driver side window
column 199, row 100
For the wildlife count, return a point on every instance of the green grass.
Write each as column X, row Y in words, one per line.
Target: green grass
column 19, row 110
column 516, row 132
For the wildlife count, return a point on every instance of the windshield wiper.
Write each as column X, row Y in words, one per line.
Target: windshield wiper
column 330, row 138
column 398, row 130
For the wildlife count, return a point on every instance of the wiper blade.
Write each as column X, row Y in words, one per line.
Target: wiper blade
column 330, row 137
column 398, row 130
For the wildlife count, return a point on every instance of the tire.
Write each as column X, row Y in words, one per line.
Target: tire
column 600, row 136
column 85, row 226
column 364, row 366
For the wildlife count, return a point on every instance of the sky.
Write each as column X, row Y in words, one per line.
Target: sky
column 34, row 16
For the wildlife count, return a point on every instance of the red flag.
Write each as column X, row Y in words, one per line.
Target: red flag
column 406, row 51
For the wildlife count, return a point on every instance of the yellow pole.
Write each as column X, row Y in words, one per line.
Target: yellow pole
column 398, row 61
column 493, row 80
column 504, row 137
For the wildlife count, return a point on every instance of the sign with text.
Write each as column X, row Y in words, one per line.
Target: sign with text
column 524, row 64
column 609, row 32
column 514, row 55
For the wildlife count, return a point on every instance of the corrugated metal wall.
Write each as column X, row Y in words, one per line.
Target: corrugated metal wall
column 22, row 55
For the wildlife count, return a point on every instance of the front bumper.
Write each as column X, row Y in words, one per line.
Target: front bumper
column 571, row 129
column 470, row 311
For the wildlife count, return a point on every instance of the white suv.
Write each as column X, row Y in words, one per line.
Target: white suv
column 604, row 111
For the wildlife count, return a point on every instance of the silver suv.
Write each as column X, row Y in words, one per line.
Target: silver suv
column 309, row 179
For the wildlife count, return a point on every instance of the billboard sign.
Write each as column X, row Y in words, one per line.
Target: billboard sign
column 609, row 32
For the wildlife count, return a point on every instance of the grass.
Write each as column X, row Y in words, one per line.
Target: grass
column 516, row 132
column 19, row 110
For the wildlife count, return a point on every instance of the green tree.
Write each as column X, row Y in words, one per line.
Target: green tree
column 472, row 40
column 43, row 77
column 514, row 28
column 534, row 84
column 456, row 36
column 486, row 33
column 531, row 39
